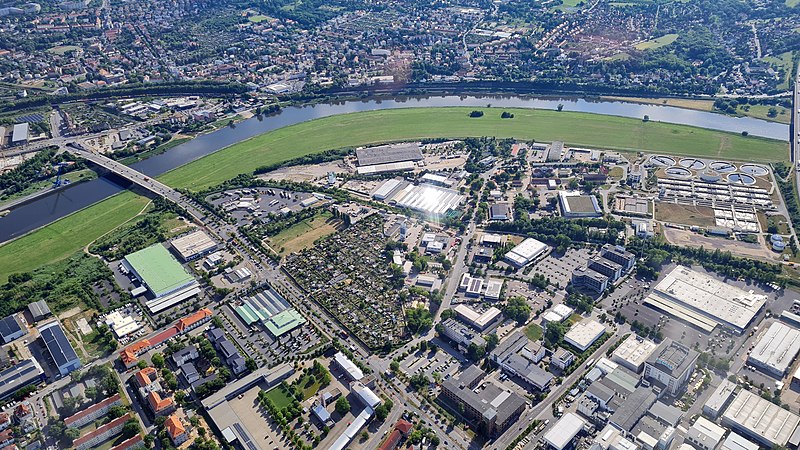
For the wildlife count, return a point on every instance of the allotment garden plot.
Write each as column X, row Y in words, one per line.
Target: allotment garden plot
column 348, row 274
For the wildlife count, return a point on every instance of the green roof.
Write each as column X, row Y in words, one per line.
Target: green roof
column 284, row 321
column 158, row 269
column 247, row 314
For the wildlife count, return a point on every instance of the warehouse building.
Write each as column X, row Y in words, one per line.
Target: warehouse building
column 526, row 252
column 21, row 374
column 584, row 333
column 576, row 205
column 705, row 434
column 428, row 199
column 491, row 408
column 720, row 399
column 704, row 301
column 760, row 419
column 59, row 348
column 272, row 311
column 670, row 366
column 736, row 441
column 11, row 329
column 633, row 352
column 385, row 154
column 167, row 281
column 39, row 310
column 776, row 349
column 193, row 245
column 561, row 436
column 20, row 134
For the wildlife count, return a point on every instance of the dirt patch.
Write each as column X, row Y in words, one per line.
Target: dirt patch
column 701, row 216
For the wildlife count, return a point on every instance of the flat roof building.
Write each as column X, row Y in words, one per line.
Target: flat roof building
column 562, row 434
column 428, row 199
column 670, row 366
column 385, row 154
column 577, row 205
column 165, row 278
column 760, row 419
column 348, row 366
column 584, row 277
column 478, row 320
column 633, row 352
column 193, row 245
column 59, row 348
column 526, row 252
column 20, row 134
column 719, row 399
column 776, row 349
column 493, row 289
column 490, row 407
column 519, row 356
column 704, row 301
column 705, row 434
column 584, row 333
column 736, row 441
column 633, row 409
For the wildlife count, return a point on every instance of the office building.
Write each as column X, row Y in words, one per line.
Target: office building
column 519, row 356
column 705, row 434
column 478, row 320
column 584, row 333
column 633, row 352
column 670, row 366
column 720, row 399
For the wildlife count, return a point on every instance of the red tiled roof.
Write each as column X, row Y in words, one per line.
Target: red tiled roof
column 164, row 335
column 128, row 443
column 100, row 430
column 192, row 319
column 401, row 428
column 174, row 427
column 157, row 403
column 146, row 376
column 99, row 405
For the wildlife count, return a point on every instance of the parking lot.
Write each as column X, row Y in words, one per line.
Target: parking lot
column 427, row 363
column 559, row 268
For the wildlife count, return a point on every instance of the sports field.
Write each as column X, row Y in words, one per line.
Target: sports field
column 372, row 127
column 70, row 234
column 657, row 42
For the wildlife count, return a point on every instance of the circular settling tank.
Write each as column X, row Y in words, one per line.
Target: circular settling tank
column 722, row 166
column 710, row 176
column 692, row 163
column 741, row 178
column 754, row 170
column 662, row 161
column 678, row 172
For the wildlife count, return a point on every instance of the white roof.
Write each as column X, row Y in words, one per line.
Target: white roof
column 563, row 310
column 761, row 417
column 634, row 350
column 526, row 251
column 583, row 334
column 493, row 288
column 366, row 395
column 711, row 297
column 491, row 238
column 738, row 442
column 777, row 348
column 348, row 366
column 706, row 432
column 719, row 398
column 429, row 199
column 193, row 244
column 564, row 431
column 479, row 320
column 386, row 188
column 435, row 178
column 20, row 132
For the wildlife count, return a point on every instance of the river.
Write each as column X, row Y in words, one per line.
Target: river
column 47, row 209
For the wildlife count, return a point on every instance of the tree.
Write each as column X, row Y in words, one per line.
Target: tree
column 131, row 428
column 491, row 342
column 342, row 406
column 394, row 366
column 116, row 411
column 517, row 309
column 418, row 319
column 646, row 118
column 72, row 434
column 475, row 352
column 158, row 360
column 251, row 365
column 554, row 333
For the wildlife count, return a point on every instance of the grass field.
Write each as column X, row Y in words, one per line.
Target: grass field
column 619, row 57
column 701, row 216
column 63, row 49
column 687, row 103
column 304, row 234
column 761, row 111
column 372, row 127
column 64, row 237
column 785, row 62
column 534, row 332
column 279, row 398
column 657, row 42
column 258, row 18
column 70, row 234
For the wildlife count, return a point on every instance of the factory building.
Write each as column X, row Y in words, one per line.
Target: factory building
column 776, row 349
column 584, row 333
column 760, row 419
column 704, row 301
column 525, row 253
column 193, row 245
column 21, row 374
column 633, row 352
column 561, row 436
column 165, row 278
column 576, row 205
column 59, row 348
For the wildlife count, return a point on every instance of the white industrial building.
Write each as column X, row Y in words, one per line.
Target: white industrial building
column 524, row 253
column 760, row 419
column 633, row 352
column 428, row 199
column 563, row 432
column 193, row 245
column 20, row 134
column 493, row 289
column 122, row 325
column 584, row 333
column 705, row 301
column 478, row 320
column 705, row 434
column 719, row 399
column 736, row 441
column 348, row 366
column 611, row 438
column 558, row 313
column 776, row 349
